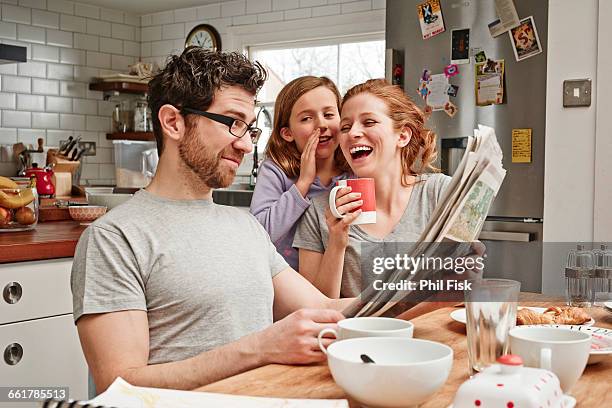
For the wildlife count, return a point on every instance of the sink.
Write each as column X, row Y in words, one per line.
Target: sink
column 238, row 187
column 233, row 196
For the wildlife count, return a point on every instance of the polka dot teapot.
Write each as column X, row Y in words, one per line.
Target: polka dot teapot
column 510, row 385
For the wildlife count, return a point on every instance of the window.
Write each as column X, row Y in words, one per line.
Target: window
column 347, row 64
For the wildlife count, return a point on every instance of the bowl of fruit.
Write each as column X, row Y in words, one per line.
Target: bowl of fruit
column 18, row 206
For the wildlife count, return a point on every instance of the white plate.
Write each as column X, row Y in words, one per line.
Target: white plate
column 601, row 340
column 459, row 315
column 608, row 306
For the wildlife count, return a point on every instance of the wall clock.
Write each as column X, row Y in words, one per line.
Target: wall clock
column 205, row 36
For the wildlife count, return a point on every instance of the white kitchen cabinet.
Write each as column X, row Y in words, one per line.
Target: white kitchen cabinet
column 39, row 343
column 38, row 289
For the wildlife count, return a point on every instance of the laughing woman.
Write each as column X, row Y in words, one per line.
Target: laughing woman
column 383, row 136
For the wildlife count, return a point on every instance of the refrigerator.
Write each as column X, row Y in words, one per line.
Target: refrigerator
column 513, row 230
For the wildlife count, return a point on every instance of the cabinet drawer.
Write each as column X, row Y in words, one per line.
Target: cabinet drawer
column 51, row 356
column 35, row 289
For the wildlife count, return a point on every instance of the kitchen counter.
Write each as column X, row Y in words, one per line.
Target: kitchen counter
column 48, row 240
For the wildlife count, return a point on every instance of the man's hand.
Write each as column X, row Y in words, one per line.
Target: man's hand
column 293, row 340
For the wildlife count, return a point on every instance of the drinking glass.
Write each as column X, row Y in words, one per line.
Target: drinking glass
column 490, row 307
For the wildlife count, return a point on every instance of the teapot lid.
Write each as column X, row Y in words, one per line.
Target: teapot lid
column 510, row 359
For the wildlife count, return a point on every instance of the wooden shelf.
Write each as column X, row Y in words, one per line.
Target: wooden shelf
column 125, row 87
column 144, row 136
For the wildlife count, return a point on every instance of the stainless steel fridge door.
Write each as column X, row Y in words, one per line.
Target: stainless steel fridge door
column 514, row 251
column 522, row 193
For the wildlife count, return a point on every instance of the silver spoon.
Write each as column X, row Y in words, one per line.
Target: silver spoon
column 366, row 359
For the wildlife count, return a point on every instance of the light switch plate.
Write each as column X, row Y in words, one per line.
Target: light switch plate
column 89, row 147
column 576, row 92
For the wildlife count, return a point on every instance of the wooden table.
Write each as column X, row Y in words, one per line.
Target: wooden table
column 315, row 381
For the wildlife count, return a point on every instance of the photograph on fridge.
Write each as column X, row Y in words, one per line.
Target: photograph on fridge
column 489, row 82
column 460, row 46
column 525, row 40
column 430, row 18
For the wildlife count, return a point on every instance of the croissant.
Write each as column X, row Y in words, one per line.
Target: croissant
column 528, row 316
column 568, row 315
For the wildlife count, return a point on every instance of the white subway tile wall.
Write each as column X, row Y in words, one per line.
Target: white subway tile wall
column 326, row 10
column 159, row 28
column 71, row 43
column 45, row 19
column 258, row 6
column 59, row 38
column 45, row 87
column 68, row 44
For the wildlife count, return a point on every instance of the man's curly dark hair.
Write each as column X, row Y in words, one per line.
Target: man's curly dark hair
column 192, row 78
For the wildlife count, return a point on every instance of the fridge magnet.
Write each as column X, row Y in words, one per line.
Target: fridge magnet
column 525, row 40
column 492, row 66
column 426, row 75
column 460, row 46
column 430, row 18
column 398, row 71
column 489, row 82
column 450, row 109
column 437, row 92
column 480, row 57
column 451, row 70
column 423, row 90
column 452, row 90
column 521, row 145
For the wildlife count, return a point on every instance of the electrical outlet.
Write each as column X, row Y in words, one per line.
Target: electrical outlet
column 89, row 147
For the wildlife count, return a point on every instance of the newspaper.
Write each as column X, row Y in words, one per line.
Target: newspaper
column 122, row 394
column 458, row 218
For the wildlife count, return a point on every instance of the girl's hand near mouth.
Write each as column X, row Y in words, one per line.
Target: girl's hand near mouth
column 308, row 164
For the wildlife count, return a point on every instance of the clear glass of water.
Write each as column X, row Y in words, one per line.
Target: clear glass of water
column 490, row 307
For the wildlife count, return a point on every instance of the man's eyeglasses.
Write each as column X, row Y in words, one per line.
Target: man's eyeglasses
column 236, row 127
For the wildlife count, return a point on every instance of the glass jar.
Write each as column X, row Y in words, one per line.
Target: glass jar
column 123, row 116
column 142, row 116
column 602, row 281
column 579, row 276
column 19, row 207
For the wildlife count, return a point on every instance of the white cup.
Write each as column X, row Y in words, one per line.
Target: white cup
column 564, row 352
column 368, row 327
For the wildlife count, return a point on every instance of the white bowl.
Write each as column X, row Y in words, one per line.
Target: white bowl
column 406, row 371
column 108, row 200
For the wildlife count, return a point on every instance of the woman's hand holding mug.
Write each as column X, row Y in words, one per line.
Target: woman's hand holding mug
column 352, row 195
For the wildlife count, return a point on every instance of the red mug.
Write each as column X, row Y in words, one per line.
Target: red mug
column 365, row 186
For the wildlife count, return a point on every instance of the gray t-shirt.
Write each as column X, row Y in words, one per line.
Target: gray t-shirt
column 312, row 232
column 202, row 272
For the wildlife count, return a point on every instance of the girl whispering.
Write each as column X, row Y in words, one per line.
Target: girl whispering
column 302, row 158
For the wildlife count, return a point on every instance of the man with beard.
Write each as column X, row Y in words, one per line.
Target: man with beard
column 171, row 290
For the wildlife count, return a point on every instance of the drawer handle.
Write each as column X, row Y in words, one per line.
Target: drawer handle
column 13, row 353
column 12, row 292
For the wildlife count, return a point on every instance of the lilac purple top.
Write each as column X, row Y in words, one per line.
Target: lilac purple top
column 278, row 205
